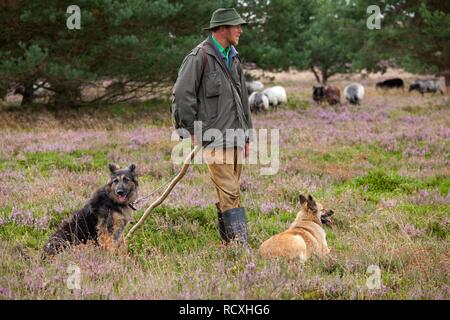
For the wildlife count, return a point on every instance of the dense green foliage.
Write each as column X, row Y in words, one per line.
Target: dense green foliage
column 414, row 34
column 139, row 44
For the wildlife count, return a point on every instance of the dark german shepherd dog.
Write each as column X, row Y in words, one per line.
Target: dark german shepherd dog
column 103, row 218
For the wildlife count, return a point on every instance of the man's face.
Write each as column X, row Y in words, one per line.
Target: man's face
column 232, row 34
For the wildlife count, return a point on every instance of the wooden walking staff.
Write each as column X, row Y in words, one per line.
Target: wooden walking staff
column 172, row 184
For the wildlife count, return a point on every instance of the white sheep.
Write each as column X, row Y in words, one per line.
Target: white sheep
column 254, row 86
column 277, row 95
column 354, row 93
column 258, row 102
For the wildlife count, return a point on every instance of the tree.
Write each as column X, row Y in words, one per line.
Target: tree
column 414, row 35
column 275, row 37
column 333, row 39
column 313, row 35
column 138, row 43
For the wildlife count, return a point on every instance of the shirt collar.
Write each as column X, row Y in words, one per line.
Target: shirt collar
column 233, row 51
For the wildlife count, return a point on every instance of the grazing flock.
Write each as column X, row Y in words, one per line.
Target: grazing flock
column 262, row 100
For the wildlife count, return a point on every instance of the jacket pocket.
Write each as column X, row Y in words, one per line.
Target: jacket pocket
column 213, row 90
column 212, row 85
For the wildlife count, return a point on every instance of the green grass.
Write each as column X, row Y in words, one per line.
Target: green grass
column 442, row 183
column 179, row 229
column 45, row 162
column 346, row 155
column 423, row 110
column 428, row 217
column 27, row 236
column 298, row 103
column 378, row 182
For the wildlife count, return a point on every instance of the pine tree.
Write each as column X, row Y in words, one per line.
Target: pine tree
column 138, row 43
column 312, row 35
column 414, row 35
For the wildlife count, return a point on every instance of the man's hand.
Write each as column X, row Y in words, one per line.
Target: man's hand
column 247, row 150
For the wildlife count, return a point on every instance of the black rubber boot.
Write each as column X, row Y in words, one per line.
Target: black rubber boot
column 221, row 225
column 235, row 225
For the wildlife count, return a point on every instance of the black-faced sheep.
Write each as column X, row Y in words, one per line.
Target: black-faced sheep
column 354, row 93
column 331, row 94
column 258, row 102
column 390, row 84
column 318, row 94
column 424, row 86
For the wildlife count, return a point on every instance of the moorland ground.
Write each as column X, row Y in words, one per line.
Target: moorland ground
column 382, row 166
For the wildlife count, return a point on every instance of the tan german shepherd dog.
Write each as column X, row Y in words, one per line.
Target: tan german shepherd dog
column 304, row 237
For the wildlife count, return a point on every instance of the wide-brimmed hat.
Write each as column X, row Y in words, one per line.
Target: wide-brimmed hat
column 225, row 17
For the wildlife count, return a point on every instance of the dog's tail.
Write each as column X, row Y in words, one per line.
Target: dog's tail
column 55, row 245
column 48, row 251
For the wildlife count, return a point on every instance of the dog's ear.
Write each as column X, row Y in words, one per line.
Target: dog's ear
column 113, row 167
column 302, row 199
column 311, row 204
column 132, row 168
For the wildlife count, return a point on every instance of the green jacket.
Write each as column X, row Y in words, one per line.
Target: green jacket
column 204, row 92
